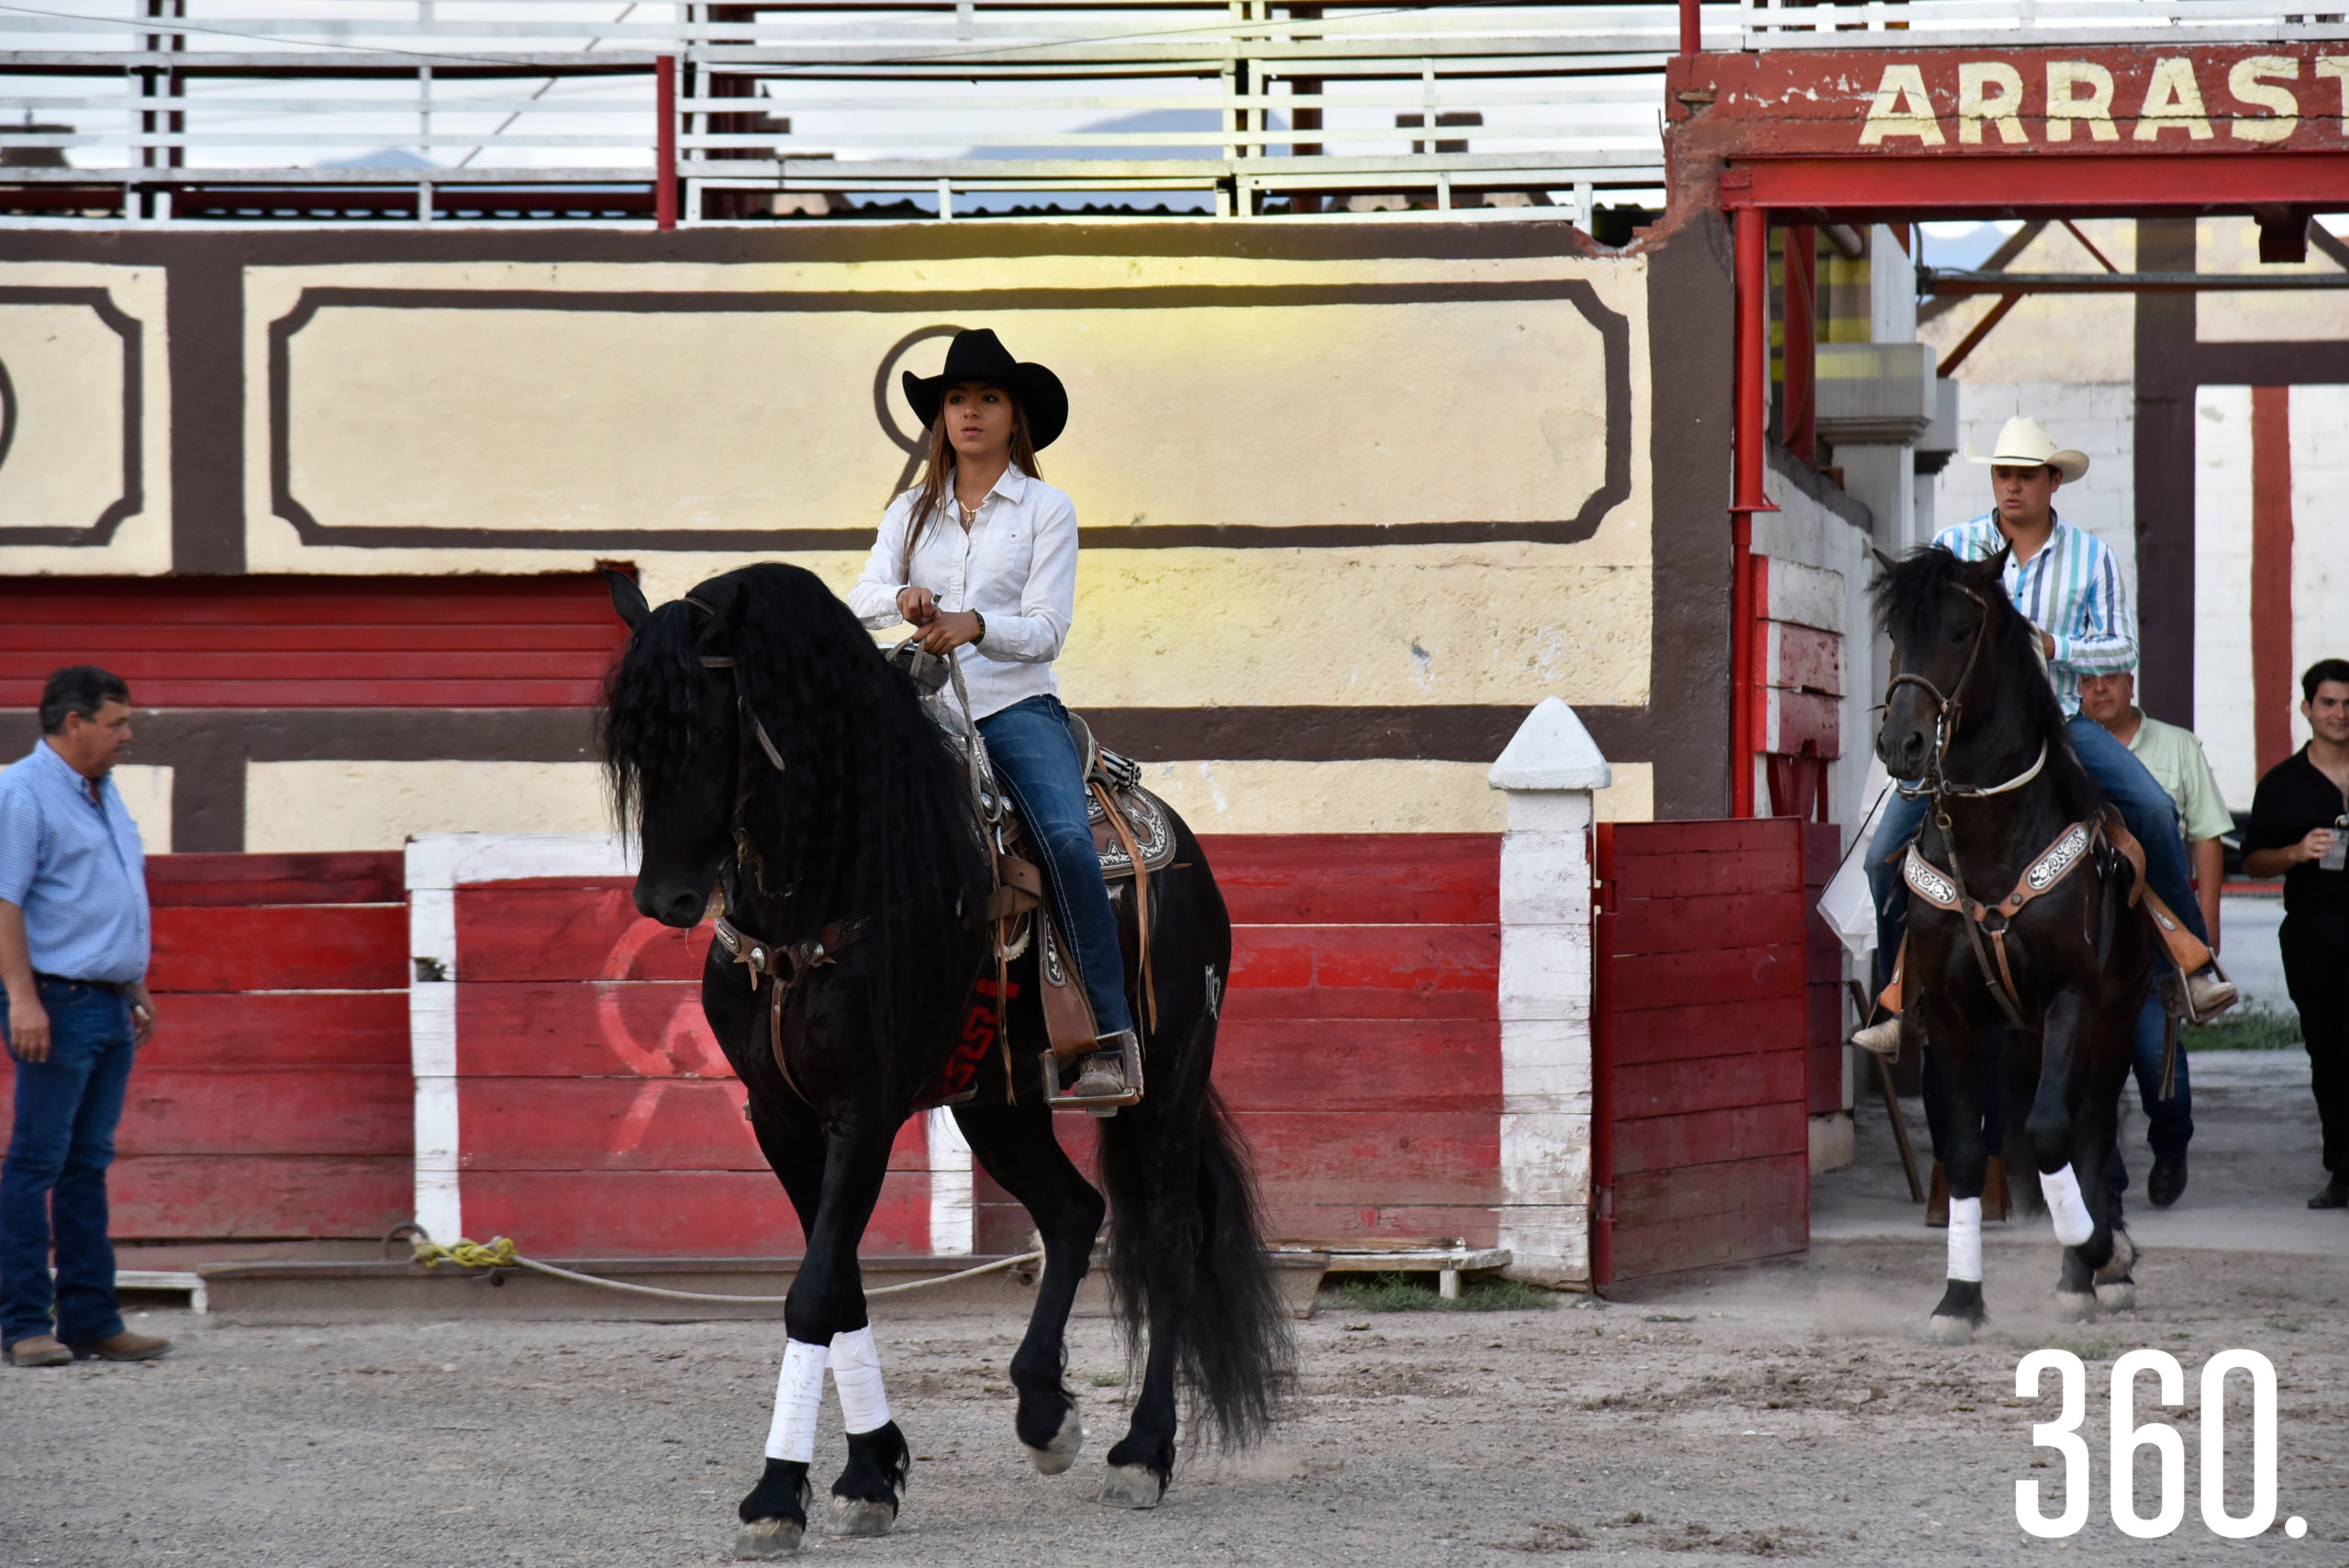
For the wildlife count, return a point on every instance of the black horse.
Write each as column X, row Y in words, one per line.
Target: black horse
column 754, row 737
column 2020, row 921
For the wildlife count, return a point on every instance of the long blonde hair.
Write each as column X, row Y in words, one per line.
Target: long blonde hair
column 939, row 471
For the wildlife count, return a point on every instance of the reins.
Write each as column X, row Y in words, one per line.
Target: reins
column 780, row 969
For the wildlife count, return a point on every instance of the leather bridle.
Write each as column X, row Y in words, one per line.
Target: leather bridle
column 780, row 968
column 1949, row 710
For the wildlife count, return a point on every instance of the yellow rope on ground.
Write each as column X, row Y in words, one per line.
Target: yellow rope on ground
column 499, row 1254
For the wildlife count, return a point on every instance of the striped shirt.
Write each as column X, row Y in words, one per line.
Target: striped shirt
column 2071, row 590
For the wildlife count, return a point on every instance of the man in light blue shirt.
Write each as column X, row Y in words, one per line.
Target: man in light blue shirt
column 2066, row 584
column 75, row 937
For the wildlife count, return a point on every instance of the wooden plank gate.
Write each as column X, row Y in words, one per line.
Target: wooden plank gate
column 1706, row 1021
column 275, row 1101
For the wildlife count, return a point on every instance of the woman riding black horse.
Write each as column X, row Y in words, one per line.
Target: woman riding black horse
column 982, row 557
column 757, row 741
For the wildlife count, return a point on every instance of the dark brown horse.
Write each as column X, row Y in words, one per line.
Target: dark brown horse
column 2020, row 922
column 755, row 738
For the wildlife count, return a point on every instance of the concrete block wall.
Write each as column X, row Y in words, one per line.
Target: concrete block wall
column 2097, row 417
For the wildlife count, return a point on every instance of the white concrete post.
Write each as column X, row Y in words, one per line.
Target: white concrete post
column 1550, row 770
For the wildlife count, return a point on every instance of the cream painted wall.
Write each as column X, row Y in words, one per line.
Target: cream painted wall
column 2231, row 245
column 1288, row 414
column 147, row 794
column 64, row 367
column 1397, row 796
column 2052, row 338
column 376, row 806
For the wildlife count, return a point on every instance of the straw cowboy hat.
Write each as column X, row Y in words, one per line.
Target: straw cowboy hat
column 2025, row 443
column 979, row 356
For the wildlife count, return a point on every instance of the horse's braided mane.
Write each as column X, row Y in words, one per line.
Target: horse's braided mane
column 868, row 816
column 1913, row 597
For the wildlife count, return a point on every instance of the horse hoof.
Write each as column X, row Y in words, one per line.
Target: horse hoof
column 2124, row 1258
column 2116, row 1295
column 767, row 1540
column 861, row 1515
column 2074, row 1306
column 1061, row 1453
column 1132, row 1486
column 1944, row 1329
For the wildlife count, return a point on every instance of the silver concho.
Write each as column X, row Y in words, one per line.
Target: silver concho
column 1926, row 880
column 2049, row 868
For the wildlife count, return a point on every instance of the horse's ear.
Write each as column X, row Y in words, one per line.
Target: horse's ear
column 726, row 602
column 1992, row 568
column 627, row 599
column 1883, row 560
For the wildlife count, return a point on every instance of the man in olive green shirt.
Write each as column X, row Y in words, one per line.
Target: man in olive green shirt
column 2174, row 756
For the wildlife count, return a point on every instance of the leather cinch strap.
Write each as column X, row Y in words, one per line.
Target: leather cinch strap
column 781, row 968
column 2046, row 872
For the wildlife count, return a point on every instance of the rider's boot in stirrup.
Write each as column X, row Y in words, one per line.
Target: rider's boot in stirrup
column 1882, row 1038
column 2210, row 993
column 1104, row 1076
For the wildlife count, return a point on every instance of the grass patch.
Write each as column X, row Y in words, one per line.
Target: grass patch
column 1417, row 1293
column 2245, row 1028
column 1107, row 1380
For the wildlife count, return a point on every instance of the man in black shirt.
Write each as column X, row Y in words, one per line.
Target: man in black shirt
column 2298, row 829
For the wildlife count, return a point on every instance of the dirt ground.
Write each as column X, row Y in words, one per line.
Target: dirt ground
column 1785, row 1410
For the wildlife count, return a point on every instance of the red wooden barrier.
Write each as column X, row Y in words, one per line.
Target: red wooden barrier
column 366, row 642
column 1701, row 1067
column 276, row 1100
column 1360, row 1051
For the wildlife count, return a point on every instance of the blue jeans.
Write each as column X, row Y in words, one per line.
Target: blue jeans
column 2144, row 806
column 2169, row 1124
column 1034, row 756
column 54, row 1181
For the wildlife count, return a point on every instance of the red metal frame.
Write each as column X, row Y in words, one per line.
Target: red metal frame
column 1750, row 416
column 664, row 143
column 1776, row 138
column 1877, row 189
column 1602, row 1056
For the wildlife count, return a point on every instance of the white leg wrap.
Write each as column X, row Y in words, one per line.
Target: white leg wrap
column 856, row 1373
column 2073, row 1224
column 799, row 1396
column 1965, row 1240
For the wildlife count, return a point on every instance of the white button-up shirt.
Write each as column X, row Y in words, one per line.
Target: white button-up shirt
column 1015, row 565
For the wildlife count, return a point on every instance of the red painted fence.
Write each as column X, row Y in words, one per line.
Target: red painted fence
column 274, row 1101
column 1360, row 1049
column 1701, row 1051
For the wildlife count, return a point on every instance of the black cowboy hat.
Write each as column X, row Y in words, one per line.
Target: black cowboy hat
column 978, row 355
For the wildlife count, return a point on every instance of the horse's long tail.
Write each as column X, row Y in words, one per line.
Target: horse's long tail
column 1237, row 1352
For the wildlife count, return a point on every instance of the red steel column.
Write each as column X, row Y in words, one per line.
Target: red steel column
column 1692, row 28
column 664, row 143
column 1750, row 419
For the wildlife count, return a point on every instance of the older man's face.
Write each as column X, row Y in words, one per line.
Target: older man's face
column 2105, row 697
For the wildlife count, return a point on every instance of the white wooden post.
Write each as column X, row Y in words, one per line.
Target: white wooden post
column 1549, row 771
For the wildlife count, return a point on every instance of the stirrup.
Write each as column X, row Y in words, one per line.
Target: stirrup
column 1127, row 1045
column 2226, row 997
